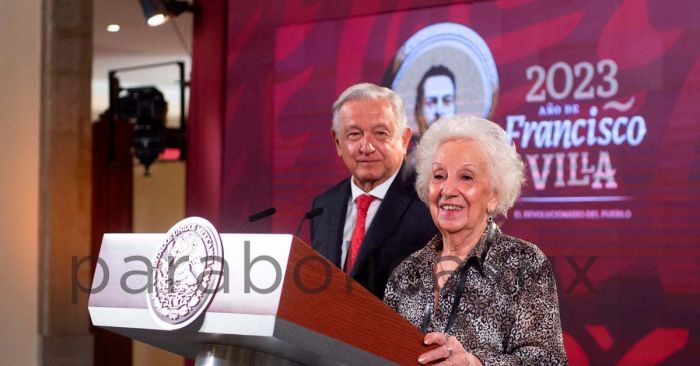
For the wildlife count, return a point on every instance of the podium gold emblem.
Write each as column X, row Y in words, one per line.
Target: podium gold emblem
column 186, row 271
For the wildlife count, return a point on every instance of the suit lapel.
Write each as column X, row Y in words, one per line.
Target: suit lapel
column 388, row 216
column 336, row 223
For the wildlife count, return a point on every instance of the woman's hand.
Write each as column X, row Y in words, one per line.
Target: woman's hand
column 450, row 351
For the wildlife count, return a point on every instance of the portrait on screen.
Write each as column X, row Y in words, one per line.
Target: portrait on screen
column 435, row 96
column 442, row 70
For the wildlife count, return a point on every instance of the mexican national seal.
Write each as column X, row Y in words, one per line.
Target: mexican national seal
column 186, row 271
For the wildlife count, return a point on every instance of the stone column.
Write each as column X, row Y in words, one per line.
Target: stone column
column 65, row 182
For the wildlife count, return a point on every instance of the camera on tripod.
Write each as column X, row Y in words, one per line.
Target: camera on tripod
column 147, row 108
column 142, row 104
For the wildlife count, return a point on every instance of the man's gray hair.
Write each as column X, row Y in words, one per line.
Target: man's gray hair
column 505, row 167
column 365, row 91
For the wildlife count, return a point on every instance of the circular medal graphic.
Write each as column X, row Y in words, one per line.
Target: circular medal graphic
column 444, row 69
column 186, row 272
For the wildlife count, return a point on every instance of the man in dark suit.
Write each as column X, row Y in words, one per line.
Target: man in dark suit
column 374, row 219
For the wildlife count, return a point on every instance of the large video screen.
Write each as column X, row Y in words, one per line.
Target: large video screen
column 601, row 99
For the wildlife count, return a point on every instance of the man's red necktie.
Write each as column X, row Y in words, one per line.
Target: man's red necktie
column 358, row 234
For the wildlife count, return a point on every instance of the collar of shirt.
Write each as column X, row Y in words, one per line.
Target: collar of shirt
column 477, row 254
column 378, row 192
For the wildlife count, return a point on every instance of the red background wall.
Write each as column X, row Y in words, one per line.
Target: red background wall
column 629, row 290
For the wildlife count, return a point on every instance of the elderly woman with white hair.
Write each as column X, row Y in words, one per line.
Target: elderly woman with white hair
column 482, row 296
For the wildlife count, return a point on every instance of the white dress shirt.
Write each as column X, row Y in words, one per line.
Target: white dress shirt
column 378, row 192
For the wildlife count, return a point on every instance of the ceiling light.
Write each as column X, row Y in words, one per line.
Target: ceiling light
column 113, row 28
column 156, row 20
column 154, row 12
column 157, row 12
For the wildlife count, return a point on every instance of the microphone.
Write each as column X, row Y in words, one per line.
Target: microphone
column 308, row 216
column 258, row 216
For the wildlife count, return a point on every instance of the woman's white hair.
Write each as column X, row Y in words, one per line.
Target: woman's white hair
column 366, row 91
column 505, row 167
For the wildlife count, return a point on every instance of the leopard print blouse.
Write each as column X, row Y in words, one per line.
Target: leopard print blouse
column 508, row 313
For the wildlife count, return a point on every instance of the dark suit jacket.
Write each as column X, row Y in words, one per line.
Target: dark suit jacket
column 401, row 226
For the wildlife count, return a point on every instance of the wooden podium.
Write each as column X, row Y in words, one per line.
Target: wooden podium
column 278, row 302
